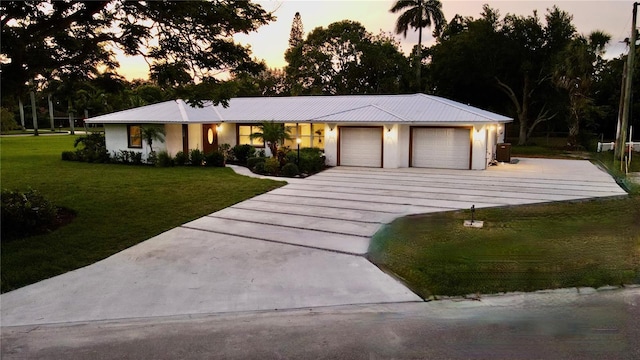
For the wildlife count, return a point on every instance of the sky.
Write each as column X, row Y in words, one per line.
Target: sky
column 270, row 42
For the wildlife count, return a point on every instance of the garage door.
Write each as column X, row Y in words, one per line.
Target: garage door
column 361, row 146
column 445, row 148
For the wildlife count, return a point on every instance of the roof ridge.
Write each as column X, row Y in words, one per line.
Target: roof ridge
column 389, row 112
column 183, row 112
column 442, row 101
column 340, row 112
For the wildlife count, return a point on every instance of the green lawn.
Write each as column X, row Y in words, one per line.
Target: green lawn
column 117, row 206
column 522, row 248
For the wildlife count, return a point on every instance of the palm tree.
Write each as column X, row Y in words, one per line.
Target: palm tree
column 575, row 74
column 418, row 14
column 150, row 133
column 272, row 134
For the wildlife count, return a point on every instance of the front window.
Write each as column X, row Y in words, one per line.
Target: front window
column 134, row 134
column 311, row 135
column 244, row 135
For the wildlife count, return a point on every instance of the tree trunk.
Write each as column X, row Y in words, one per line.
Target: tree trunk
column 523, row 117
column 21, row 105
column 34, row 113
column 574, row 130
column 53, row 126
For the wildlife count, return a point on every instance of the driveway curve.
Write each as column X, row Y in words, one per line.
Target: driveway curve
column 299, row 246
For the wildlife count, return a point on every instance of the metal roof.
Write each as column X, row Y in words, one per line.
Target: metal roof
column 411, row 108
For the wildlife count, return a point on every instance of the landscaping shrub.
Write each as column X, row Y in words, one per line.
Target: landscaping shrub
column 253, row 161
column 181, row 159
column 196, row 157
column 290, row 170
column 271, row 166
column 242, row 153
column 128, row 157
column 214, row 158
column 8, row 121
column 164, row 159
column 225, row 149
column 152, row 158
column 93, row 149
column 259, row 168
column 281, row 155
column 25, row 213
column 311, row 160
column 69, row 156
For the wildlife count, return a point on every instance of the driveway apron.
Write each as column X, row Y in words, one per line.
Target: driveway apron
column 299, row 246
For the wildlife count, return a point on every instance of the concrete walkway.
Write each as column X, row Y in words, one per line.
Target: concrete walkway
column 299, row 246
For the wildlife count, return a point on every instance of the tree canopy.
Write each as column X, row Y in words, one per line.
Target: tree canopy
column 185, row 43
column 344, row 58
column 507, row 64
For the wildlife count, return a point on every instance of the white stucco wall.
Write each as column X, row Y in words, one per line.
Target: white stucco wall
column 479, row 147
column 227, row 134
column 173, row 138
column 404, row 134
column 116, row 140
column 195, row 136
column 331, row 145
column 391, row 154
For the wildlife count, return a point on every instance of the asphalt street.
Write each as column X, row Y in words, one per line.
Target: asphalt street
column 561, row 324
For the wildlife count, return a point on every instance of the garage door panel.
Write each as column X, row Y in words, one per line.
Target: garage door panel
column 361, row 147
column 446, row 148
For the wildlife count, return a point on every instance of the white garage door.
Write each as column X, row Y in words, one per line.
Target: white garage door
column 445, row 148
column 361, row 146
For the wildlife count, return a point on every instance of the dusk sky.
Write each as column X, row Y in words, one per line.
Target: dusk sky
column 271, row 41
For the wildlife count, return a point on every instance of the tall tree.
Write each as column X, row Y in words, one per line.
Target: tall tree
column 575, row 74
column 55, row 38
column 344, row 58
column 418, row 14
column 297, row 31
column 488, row 60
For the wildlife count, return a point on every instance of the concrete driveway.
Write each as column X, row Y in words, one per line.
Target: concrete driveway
column 299, row 246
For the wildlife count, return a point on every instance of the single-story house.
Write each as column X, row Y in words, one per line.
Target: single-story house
column 389, row 131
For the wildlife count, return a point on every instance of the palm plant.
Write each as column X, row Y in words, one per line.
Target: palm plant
column 418, row 14
column 151, row 133
column 272, row 134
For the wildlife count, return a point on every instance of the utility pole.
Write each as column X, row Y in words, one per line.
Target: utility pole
column 622, row 140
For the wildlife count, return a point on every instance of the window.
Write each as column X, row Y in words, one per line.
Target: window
column 134, row 134
column 311, row 135
column 244, row 135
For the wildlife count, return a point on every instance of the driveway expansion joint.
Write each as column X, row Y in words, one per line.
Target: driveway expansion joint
column 276, row 241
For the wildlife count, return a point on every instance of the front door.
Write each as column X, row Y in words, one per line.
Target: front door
column 209, row 138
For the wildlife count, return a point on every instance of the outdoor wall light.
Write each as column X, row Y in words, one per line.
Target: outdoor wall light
column 218, row 127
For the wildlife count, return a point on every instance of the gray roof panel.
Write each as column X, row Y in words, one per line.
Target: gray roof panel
column 410, row 108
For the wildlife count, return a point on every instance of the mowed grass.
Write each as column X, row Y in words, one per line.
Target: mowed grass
column 117, row 206
column 524, row 248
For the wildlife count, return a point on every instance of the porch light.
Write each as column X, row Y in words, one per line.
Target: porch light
column 298, row 140
column 218, row 127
